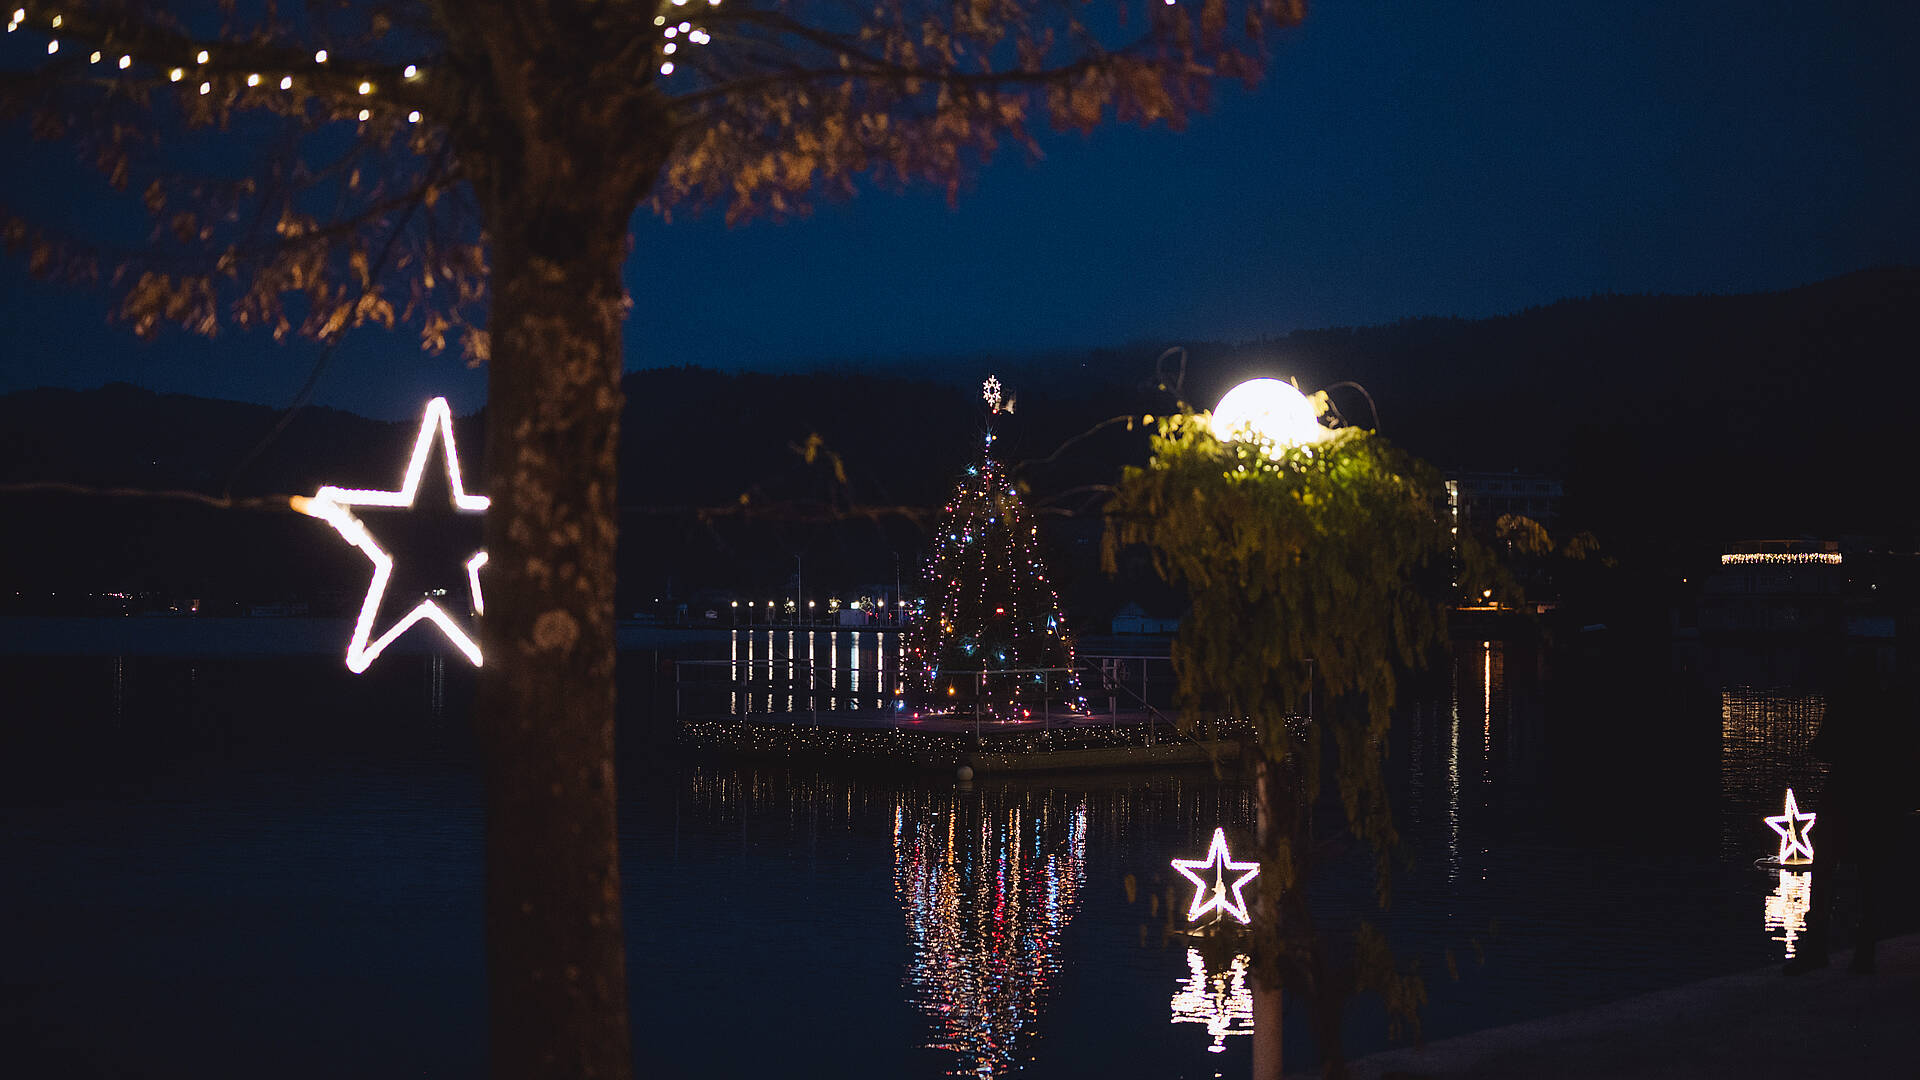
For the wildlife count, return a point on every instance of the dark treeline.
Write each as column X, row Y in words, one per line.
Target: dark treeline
column 1676, row 423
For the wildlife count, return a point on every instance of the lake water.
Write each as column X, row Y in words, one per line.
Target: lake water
column 270, row 867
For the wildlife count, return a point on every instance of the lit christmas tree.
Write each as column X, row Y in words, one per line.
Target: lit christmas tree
column 992, row 634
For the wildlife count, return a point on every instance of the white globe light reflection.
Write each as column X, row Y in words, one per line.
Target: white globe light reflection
column 1267, row 411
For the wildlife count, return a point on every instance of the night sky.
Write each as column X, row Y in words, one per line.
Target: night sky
column 1402, row 158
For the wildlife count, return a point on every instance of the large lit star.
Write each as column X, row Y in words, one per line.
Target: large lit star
column 1209, row 896
column 330, row 504
column 1793, row 826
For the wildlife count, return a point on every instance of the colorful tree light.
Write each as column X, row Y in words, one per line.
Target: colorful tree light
column 1210, row 896
column 1796, row 847
column 994, row 636
column 330, row 504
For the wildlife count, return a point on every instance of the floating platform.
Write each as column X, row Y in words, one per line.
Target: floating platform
column 943, row 743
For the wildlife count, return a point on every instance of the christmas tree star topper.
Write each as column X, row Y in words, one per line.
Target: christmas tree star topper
column 1796, row 846
column 1209, row 896
column 991, row 391
column 330, row 504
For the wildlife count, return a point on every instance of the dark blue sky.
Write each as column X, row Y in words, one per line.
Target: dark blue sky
column 1402, row 158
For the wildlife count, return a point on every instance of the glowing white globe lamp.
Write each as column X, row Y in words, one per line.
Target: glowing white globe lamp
column 1267, row 411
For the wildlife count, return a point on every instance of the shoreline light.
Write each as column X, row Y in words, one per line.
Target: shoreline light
column 330, row 504
column 1804, row 558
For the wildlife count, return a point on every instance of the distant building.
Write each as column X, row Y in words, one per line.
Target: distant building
column 1133, row 619
column 1475, row 500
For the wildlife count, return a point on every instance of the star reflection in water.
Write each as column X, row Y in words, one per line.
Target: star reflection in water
column 1221, row 1000
column 988, row 890
column 1786, row 915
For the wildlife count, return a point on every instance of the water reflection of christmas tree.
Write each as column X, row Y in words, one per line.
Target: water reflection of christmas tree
column 988, row 891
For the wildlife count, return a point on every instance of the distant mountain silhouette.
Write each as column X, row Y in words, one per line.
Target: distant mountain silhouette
column 1676, row 421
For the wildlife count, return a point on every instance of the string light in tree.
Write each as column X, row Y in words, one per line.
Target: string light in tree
column 1794, row 827
column 1218, row 895
column 333, row 505
column 202, row 58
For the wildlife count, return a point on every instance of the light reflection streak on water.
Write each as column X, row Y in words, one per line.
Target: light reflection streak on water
column 1486, row 703
column 1453, row 780
column 1221, row 1000
column 985, row 917
column 761, row 681
column 1787, row 906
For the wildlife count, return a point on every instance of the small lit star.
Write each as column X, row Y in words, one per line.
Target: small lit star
column 1793, row 826
column 1209, row 896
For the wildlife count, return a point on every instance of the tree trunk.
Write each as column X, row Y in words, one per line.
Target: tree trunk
column 1273, row 821
column 556, row 964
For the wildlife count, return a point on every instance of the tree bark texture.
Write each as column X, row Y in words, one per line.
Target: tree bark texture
column 560, row 147
column 555, row 955
column 1273, row 808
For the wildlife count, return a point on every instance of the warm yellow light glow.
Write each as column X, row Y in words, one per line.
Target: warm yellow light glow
column 366, row 88
column 126, row 62
column 176, row 74
column 1747, row 558
column 410, row 72
column 320, row 57
column 52, row 47
column 253, row 79
column 286, row 82
column 365, row 115
column 57, row 20
column 206, row 88
column 330, row 504
column 1210, row 896
column 202, row 58
column 1267, row 411
column 1796, row 846
column 666, row 68
column 1787, row 907
column 94, row 58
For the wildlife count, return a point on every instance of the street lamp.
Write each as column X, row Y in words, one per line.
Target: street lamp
column 1267, row 411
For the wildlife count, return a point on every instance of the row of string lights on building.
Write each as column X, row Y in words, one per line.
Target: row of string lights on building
column 672, row 34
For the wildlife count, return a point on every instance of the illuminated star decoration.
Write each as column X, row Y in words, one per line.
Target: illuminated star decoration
column 330, row 504
column 1209, row 896
column 991, row 391
column 1793, row 826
